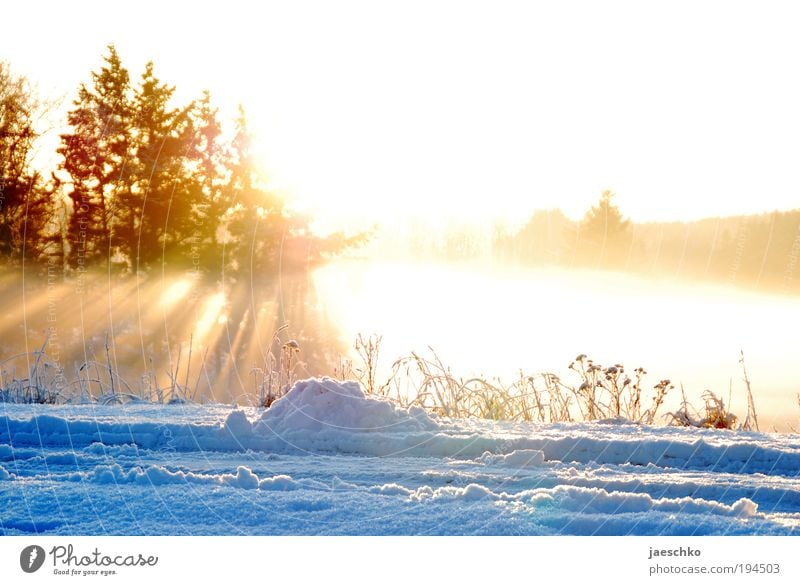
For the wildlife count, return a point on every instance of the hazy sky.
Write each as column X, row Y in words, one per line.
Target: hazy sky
column 470, row 109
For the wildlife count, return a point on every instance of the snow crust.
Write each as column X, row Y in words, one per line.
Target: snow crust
column 328, row 459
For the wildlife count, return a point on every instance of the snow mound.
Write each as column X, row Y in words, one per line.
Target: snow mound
column 581, row 500
column 323, row 403
column 601, row 501
column 237, row 424
column 116, row 451
column 325, row 415
column 519, row 459
column 278, row 483
column 157, row 475
column 391, row 489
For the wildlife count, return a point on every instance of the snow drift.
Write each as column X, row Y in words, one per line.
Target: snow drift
column 326, row 416
column 322, row 404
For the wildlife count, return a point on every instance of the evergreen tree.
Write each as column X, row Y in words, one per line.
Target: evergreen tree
column 207, row 156
column 604, row 235
column 24, row 203
column 150, row 182
column 153, row 213
column 96, row 158
column 256, row 226
column 541, row 240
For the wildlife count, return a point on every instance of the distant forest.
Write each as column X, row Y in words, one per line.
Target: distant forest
column 142, row 182
column 753, row 251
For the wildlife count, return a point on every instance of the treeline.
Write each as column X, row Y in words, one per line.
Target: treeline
column 142, row 182
column 755, row 251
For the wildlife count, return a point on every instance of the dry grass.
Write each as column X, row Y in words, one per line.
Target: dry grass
column 96, row 380
column 715, row 415
column 41, row 384
column 595, row 392
column 277, row 374
column 598, row 392
column 592, row 392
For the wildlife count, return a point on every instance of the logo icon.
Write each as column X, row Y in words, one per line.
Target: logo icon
column 31, row 558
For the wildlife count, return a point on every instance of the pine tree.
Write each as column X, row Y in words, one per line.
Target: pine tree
column 151, row 183
column 256, row 224
column 604, row 235
column 96, row 158
column 161, row 210
column 206, row 160
column 25, row 205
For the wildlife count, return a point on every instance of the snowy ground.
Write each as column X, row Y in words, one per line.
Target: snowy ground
column 327, row 460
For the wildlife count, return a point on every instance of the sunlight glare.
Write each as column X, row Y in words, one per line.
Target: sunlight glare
column 175, row 293
column 212, row 314
column 671, row 329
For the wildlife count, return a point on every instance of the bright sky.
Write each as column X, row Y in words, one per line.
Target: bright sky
column 368, row 109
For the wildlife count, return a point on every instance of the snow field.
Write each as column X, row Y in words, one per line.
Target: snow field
column 326, row 459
